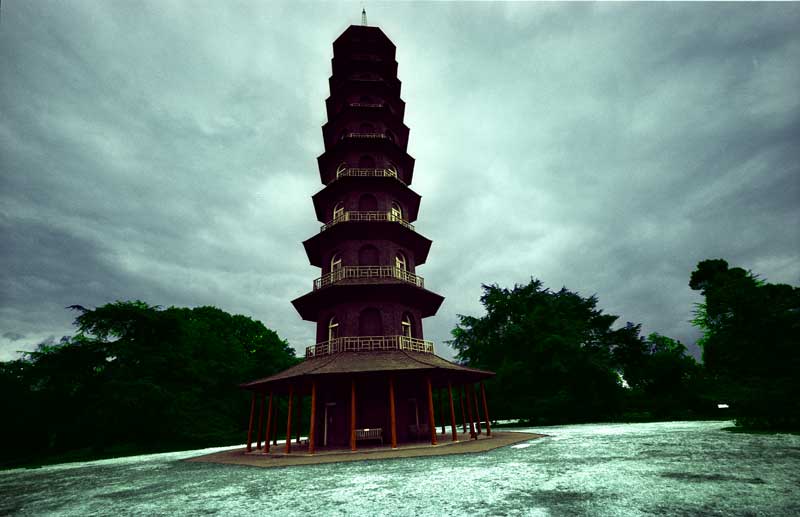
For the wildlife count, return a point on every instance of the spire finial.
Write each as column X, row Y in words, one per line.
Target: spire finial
column 363, row 16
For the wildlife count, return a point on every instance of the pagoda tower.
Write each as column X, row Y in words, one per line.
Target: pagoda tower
column 370, row 373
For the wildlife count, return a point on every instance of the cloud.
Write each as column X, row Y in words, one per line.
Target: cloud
column 167, row 152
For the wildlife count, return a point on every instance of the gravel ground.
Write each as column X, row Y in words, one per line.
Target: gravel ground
column 672, row 468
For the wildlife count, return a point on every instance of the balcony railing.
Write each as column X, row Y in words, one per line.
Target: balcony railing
column 366, row 104
column 372, row 172
column 350, row 272
column 377, row 136
column 368, row 344
column 367, row 216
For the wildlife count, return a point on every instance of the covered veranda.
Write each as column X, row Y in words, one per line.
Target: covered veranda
column 368, row 401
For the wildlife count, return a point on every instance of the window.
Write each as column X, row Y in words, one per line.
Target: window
column 390, row 135
column 400, row 262
column 340, row 169
column 395, row 213
column 336, row 262
column 338, row 211
column 392, row 168
column 333, row 328
column 406, row 325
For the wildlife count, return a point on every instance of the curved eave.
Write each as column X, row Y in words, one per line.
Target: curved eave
column 325, row 197
column 350, row 364
column 327, row 161
column 363, row 290
column 367, row 230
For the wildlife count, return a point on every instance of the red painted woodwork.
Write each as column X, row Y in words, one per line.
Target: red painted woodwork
column 431, row 421
column 477, row 413
column 441, row 410
column 269, row 423
column 289, row 422
column 452, row 411
column 260, row 419
column 312, row 423
column 463, row 412
column 486, row 411
column 250, row 425
column 392, row 416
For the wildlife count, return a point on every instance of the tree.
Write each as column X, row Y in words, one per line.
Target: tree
column 751, row 342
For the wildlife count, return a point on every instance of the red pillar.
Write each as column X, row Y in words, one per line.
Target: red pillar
column 269, row 424
column 463, row 411
column 260, row 420
column 469, row 413
column 431, row 421
column 289, row 422
column 392, row 416
column 452, row 412
column 353, row 415
column 477, row 412
column 275, row 427
column 311, row 445
column 486, row 411
column 250, row 425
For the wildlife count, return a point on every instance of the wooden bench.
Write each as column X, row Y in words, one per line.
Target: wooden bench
column 375, row 433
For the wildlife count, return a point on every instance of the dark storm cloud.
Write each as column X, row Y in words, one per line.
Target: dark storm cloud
column 167, row 152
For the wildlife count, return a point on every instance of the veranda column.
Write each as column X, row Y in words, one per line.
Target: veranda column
column 289, row 422
column 452, row 412
column 250, row 425
column 441, row 410
column 275, row 427
column 269, row 423
column 472, row 433
column 392, row 418
column 477, row 413
column 431, row 422
column 260, row 419
column 353, row 415
column 486, row 411
column 311, row 426
column 463, row 411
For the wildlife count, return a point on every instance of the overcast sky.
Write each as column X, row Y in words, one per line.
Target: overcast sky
column 166, row 151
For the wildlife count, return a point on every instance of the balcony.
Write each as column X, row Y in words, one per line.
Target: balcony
column 366, row 104
column 370, row 136
column 368, row 172
column 368, row 344
column 355, row 272
column 367, row 216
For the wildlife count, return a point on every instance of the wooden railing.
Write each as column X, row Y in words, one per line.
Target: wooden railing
column 366, row 171
column 367, row 216
column 366, row 104
column 348, row 272
column 377, row 136
column 368, row 344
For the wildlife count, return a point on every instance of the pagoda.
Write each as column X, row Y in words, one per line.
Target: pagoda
column 371, row 374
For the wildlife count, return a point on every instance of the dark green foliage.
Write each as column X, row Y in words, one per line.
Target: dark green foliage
column 557, row 360
column 751, row 343
column 137, row 378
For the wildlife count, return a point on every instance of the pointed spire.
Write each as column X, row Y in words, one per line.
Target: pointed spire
column 363, row 16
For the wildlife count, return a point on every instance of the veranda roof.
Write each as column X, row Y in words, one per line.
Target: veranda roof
column 372, row 362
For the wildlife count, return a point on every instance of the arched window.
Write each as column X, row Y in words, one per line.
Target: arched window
column 390, row 135
column 367, row 203
column 395, row 212
column 405, row 325
column 392, row 168
column 336, row 262
column 369, row 322
column 400, row 262
column 366, row 162
column 333, row 328
column 368, row 256
column 340, row 169
column 338, row 211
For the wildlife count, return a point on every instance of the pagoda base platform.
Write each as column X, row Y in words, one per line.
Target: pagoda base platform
column 299, row 455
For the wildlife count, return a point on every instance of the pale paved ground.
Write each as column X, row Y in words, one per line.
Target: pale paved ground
column 300, row 456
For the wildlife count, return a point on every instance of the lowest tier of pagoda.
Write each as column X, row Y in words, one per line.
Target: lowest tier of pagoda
column 371, row 373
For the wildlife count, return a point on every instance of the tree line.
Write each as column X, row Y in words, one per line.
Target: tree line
column 559, row 359
column 135, row 378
